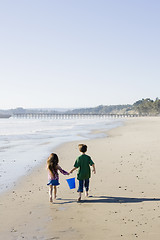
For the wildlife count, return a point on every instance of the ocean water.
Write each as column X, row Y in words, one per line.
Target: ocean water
column 24, row 143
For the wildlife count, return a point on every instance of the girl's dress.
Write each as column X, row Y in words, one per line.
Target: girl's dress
column 54, row 179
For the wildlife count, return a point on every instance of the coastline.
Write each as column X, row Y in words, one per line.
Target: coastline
column 25, row 143
column 125, row 200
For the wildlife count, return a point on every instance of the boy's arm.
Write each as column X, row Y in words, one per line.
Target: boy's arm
column 94, row 169
column 73, row 170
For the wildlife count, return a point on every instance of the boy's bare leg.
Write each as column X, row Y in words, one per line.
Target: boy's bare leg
column 50, row 193
column 86, row 187
column 86, row 194
column 79, row 199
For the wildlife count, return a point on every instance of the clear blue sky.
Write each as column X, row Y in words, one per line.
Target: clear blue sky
column 70, row 53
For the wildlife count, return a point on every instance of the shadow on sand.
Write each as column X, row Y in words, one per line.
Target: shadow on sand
column 108, row 199
column 64, row 201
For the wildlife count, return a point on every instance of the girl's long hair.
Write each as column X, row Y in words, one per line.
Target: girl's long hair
column 52, row 162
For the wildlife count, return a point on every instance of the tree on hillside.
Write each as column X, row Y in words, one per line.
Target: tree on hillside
column 147, row 106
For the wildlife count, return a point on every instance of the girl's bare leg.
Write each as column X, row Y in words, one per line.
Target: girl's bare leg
column 50, row 193
column 55, row 192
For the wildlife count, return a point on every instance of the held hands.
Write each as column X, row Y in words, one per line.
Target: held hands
column 71, row 171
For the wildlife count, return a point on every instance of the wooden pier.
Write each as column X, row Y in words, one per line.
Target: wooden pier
column 69, row 116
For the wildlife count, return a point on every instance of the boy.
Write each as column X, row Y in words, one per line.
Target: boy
column 83, row 163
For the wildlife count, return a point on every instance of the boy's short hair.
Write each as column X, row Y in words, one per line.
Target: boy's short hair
column 82, row 148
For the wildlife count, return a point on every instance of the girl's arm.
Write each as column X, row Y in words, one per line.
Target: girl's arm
column 62, row 171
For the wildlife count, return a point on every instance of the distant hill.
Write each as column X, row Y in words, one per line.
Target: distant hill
column 144, row 107
column 102, row 109
column 34, row 110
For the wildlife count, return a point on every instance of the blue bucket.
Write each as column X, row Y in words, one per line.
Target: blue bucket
column 71, row 183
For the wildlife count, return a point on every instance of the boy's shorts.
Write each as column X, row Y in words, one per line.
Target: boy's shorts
column 84, row 183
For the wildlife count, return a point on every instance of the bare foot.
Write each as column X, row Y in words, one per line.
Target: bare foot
column 50, row 199
column 86, row 194
column 79, row 199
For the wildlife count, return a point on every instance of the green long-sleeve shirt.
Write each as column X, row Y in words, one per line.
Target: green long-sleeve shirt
column 83, row 164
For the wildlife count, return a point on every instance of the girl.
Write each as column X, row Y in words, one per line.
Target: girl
column 53, row 176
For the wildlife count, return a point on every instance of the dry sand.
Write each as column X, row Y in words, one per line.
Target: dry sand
column 124, row 200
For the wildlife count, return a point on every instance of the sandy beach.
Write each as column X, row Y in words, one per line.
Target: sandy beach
column 124, row 200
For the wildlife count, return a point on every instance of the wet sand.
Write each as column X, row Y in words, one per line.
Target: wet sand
column 124, row 200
